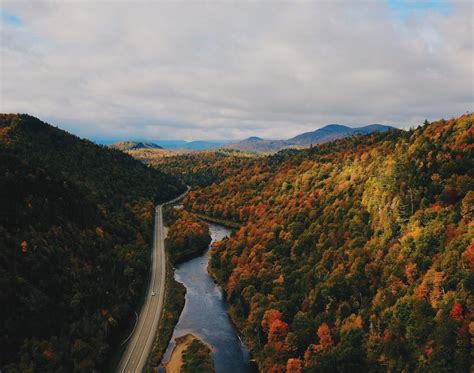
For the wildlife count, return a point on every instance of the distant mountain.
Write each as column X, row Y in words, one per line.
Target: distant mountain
column 257, row 145
column 143, row 151
column 253, row 143
column 170, row 144
column 374, row 128
column 134, row 145
column 157, row 144
column 333, row 132
column 185, row 145
column 254, row 138
column 201, row 145
column 325, row 134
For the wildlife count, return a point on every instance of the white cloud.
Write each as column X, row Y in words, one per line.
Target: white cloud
column 212, row 70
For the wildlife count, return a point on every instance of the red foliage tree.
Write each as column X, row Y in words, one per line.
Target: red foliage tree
column 278, row 331
column 457, row 312
column 293, row 365
column 469, row 255
column 269, row 317
column 325, row 338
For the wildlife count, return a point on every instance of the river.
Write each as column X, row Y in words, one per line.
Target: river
column 205, row 313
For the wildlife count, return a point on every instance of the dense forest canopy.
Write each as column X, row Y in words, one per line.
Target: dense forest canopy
column 75, row 233
column 203, row 168
column 187, row 237
column 134, row 145
column 357, row 255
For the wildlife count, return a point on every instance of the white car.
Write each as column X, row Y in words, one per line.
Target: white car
column 152, row 293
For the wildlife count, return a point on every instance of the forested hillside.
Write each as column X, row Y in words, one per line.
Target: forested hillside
column 134, row 145
column 357, row 255
column 205, row 167
column 187, row 236
column 75, row 233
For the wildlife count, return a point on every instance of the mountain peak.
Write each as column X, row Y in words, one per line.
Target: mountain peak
column 333, row 127
column 254, row 138
column 133, row 145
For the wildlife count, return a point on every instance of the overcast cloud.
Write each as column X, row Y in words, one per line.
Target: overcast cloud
column 214, row 70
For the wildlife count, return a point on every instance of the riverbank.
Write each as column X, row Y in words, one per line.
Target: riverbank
column 205, row 313
column 190, row 354
column 238, row 325
column 175, row 292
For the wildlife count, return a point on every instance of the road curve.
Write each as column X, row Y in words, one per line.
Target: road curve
column 135, row 356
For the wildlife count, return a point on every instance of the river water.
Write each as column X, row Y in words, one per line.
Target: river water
column 205, row 313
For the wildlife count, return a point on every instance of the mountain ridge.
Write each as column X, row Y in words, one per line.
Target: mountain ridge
column 321, row 135
column 335, row 131
column 256, row 144
column 134, row 145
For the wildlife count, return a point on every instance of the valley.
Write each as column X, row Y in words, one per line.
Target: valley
column 355, row 253
column 237, row 186
column 322, row 248
column 136, row 355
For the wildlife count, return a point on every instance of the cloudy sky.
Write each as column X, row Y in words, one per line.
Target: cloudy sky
column 222, row 69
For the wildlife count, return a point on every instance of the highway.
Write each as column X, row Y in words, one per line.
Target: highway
column 140, row 344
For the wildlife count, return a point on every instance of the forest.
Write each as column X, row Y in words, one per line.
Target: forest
column 75, row 233
column 202, row 168
column 356, row 255
column 187, row 237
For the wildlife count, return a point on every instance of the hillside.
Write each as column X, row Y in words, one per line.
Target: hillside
column 355, row 255
column 134, row 145
column 200, row 145
column 327, row 133
column 150, row 155
column 258, row 145
column 187, row 237
column 203, row 168
column 146, row 152
column 333, row 132
column 76, row 224
column 187, row 146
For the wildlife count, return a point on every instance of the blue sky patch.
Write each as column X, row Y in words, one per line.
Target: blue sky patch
column 10, row 19
column 411, row 7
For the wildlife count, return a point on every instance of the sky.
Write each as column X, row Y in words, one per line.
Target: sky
column 233, row 69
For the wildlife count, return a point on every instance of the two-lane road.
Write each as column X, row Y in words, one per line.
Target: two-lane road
column 136, row 355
